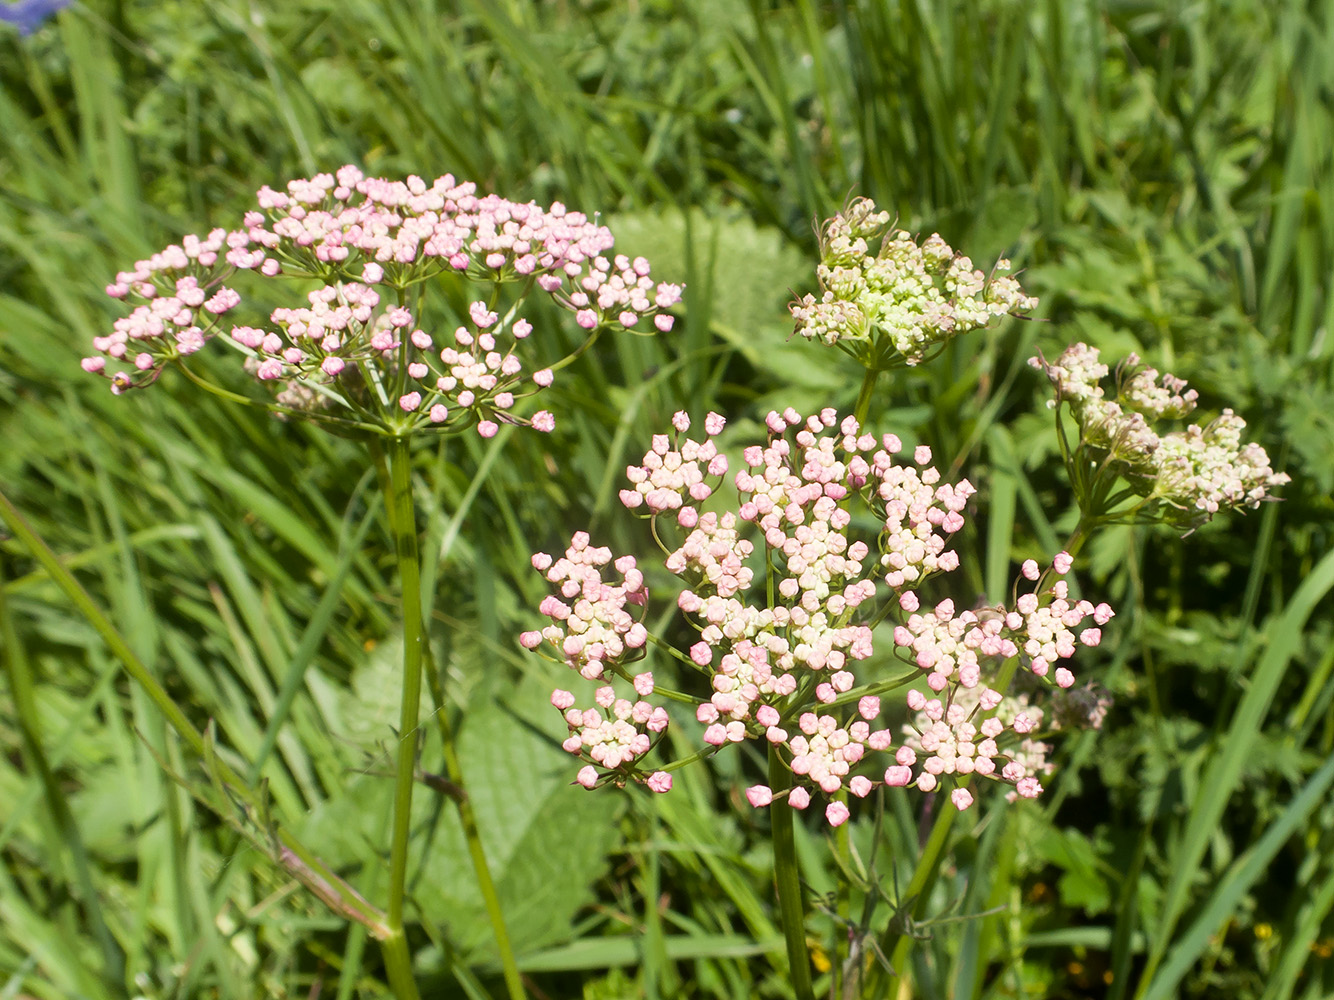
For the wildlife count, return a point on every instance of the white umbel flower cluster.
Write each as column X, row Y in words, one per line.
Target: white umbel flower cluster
column 893, row 305
column 1194, row 472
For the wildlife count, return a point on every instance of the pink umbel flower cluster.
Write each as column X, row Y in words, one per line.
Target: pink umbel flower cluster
column 354, row 345
column 614, row 734
column 185, row 299
column 955, row 648
column 592, row 626
column 840, row 534
column 597, row 635
column 896, row 304
column 974, row 731
column 1187, row 475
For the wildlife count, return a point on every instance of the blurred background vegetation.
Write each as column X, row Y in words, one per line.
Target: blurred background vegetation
column 1160, row 171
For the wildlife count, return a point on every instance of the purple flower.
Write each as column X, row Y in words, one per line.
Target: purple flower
column 28, row 15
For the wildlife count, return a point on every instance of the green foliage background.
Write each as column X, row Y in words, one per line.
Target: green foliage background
column 1162, row 173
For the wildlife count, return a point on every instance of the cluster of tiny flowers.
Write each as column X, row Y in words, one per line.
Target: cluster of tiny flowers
column 796, row 491
column 918, row 516
column 184, row 298
column 824, row 753
column 591, row 627
column 974, row 731
column 766, row 662
column 614, row 735
column 957, row 651
column 1042, row 623
column 904, row 298
column 675, row 474
column 353, row 232
column 1195, row 472
column 342, row 340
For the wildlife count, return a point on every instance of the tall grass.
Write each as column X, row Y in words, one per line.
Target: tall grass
column 1163, row 173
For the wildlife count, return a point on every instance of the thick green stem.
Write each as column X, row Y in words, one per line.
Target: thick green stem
column 787, row 878
column 454, row 771
column 398, row 961
column 863, row 406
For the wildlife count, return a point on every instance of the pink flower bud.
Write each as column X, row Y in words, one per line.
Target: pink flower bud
column 530, row 640
column 410, row 401
column 898, row 776
column 1028, row 788
column 660, row 782
column 837, row 813
column 587, row 776
column 961, row 798
column 759, row 796
column 482, row 316
column 799, row 798
column 561, row 699
column 860, row 786
column 1062, row 562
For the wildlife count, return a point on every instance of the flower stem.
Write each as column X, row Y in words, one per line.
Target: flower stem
column 398, row 500
column 863, row 406
column 453, row 770
column 895, row 942
column 788, row 878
